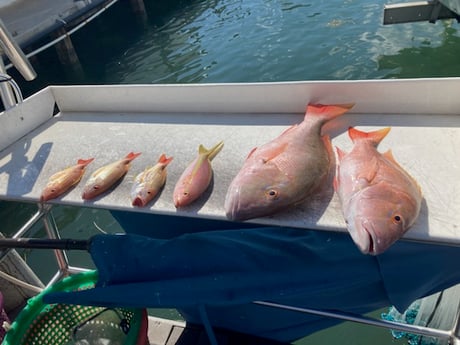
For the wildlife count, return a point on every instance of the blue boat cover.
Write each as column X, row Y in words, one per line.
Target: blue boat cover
column 226, row 269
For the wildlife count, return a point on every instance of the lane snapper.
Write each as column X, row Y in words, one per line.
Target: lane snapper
column 148, row 183
column 105, row 177
column 285, row 170
column 62, row 181
column 196, row 177
column 380, row 200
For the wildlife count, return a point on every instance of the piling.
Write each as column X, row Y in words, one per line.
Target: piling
column 67, row 54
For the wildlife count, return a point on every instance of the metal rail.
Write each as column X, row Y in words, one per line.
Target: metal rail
column 15, row 54
column 451, row 335
column 19, row 60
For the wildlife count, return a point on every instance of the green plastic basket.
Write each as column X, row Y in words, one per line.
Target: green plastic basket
column 66, row 324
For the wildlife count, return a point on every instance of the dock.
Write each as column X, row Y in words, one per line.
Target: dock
column 415, row 11
column 38, row 25
column 30, row 21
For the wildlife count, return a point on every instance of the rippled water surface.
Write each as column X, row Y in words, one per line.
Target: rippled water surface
column 199, row 41
column 262, row 40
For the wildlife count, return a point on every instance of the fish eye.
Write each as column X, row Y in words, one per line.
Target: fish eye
column 271, row 193
column 397, row 219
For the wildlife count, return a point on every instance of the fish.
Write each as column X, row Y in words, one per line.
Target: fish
column 286, row 170
column 380, row 201
column 62, row 181
column 149, row 182
column 105, row 177
column 196, row 177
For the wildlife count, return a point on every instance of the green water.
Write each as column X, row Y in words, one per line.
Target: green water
column 238, row 41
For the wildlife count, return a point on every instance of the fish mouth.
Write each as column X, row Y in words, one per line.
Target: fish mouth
column 368, row 246
column 138, row 202
column 233, row 209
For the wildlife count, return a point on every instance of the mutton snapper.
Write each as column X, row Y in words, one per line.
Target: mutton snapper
column 149, row 182
column 196, row 177
column 62, row 181
column 285, row 170
column 380, row 200
column 105, row 177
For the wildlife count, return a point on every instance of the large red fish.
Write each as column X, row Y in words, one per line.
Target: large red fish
column 380, row 200
column 285, row 170
column 105, row 177
column 62, row 181
column 196, row 177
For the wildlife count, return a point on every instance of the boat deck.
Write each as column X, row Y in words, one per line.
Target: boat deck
column 108, row 122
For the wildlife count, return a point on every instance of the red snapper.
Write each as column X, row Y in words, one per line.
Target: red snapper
column 380, row 200
column 285, row 170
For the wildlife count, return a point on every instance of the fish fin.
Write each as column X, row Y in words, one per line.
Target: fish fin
column 374, row 137
column 327, row 112
column 288, row 130
column 330, row 151
column 340, row 153
column 369, row 174
column 251, row 152
column 57, row 175
column 211, row 153
column 389, row 155
column 273, row 153
column 132, row 155
column 165, row 160
column 85, row 162
column 335, row 183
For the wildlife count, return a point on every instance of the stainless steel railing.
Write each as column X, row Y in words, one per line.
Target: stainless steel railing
column 9, row 91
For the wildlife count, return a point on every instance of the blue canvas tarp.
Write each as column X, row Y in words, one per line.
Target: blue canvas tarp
column 224, row 270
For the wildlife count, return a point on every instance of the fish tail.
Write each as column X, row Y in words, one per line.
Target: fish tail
column 130, row 156
column 374, row 137
column 165, row 160
column 211, row 153
column 85, row 162
column 327, row 112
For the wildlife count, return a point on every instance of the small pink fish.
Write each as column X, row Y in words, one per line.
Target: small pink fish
column 62, row 181
column 196, row 178
column 380, row 200
column 285, row 170
column 105, row 177
column 149, row 182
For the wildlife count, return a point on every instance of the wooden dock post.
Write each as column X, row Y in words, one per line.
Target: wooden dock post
column 65, row 50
